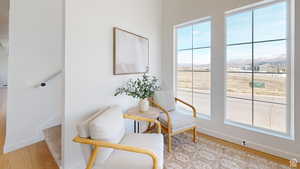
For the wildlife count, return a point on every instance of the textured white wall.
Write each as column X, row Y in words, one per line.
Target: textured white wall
column 90, row 82
column 176, row 12
column 35, row 52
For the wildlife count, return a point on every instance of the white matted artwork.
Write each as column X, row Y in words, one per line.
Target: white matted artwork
column 131, row 53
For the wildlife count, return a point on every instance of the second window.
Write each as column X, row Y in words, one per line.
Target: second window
column 193, row 65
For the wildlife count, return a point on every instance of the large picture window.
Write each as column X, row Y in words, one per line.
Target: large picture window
column 258, row 64
column 193, row 65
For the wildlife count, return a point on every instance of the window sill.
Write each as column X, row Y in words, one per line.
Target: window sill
column 260, row 130
column 203, row 116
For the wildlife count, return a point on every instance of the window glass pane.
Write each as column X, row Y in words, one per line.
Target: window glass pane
column 186, row 95
column 202, row 92
column 184, row 86
column 201, row 33
column 270, row 57
column 239, row 58
column 201, row 77
column 184, row 60
column 239, row 110
column 239, row 85
column 270, row 87
column 270, row 22
column 184, row 80
column 239, row 28
column 270, row 116
column 202, row 59
column 184, row 76
column 184, row 38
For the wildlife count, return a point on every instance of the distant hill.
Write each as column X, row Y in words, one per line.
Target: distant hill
column 280, row 59
column 274, row 60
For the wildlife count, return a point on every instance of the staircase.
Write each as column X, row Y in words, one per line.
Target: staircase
column 53, row 140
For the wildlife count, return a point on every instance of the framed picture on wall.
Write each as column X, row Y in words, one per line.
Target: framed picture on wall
column 131, row 53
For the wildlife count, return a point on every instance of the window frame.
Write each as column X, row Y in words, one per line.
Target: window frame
column 175, row 62
column 289, row 134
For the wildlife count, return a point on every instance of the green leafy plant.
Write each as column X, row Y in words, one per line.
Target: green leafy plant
column 140, row 88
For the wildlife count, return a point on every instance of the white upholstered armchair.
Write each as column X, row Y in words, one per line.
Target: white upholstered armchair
column 174, row 120
column 106, row 145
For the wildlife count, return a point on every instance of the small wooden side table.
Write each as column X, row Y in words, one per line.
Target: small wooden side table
column 152, row 113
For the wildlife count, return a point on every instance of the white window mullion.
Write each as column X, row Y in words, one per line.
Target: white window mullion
column 193, row 65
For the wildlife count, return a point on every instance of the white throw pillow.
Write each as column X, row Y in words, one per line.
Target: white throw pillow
column 165, row 99
column 83, row 131
column 109, row 127
column 83, row 127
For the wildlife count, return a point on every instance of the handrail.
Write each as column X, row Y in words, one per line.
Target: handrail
column 51, row 77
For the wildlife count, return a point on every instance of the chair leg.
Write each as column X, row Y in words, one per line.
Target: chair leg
column 169, row 143
column 194, row 135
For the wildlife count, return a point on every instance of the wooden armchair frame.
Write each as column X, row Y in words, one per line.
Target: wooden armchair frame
column 97, row 144
column 168, row 129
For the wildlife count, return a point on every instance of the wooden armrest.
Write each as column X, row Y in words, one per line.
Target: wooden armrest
column 189, row 105
column 98, row 144
column 164, row 111
column 127, row 116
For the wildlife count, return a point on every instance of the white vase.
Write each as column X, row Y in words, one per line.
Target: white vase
column 144, row 105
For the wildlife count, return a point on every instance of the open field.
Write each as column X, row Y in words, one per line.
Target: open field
column 236, row 82
column 269, row 105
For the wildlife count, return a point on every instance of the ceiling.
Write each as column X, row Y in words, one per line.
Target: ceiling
column 4, row 11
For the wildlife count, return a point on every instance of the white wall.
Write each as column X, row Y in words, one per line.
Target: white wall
column 36, row 51
column 179, row 11
column 90, row 82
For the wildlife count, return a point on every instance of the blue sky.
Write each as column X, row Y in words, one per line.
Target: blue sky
column 269, row 24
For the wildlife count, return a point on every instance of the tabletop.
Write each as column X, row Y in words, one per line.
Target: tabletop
column 152, row 113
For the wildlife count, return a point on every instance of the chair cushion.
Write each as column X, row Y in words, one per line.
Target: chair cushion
column 165, row 99
column 108, row 126
column 129, row 160
column 180, row 119
column 83, row 131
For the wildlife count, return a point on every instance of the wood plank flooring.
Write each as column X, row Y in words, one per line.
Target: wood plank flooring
column 36, row 156
column 53, row 140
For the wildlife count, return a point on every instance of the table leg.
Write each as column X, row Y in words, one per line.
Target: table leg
column 134, row 126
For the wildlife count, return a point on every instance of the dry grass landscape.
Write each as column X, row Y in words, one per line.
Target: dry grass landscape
column 270, row 99
column 237, row 83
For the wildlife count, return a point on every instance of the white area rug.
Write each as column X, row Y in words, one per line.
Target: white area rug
column 206, row 154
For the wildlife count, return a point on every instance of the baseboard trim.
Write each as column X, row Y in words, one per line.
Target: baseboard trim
column 23, row 143
column 253, row 148
column 78, row 165
column 51, row 123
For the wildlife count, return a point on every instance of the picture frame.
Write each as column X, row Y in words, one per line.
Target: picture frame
column 131, row 53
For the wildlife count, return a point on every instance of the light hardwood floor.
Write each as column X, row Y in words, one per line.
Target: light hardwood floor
column 36, row 156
